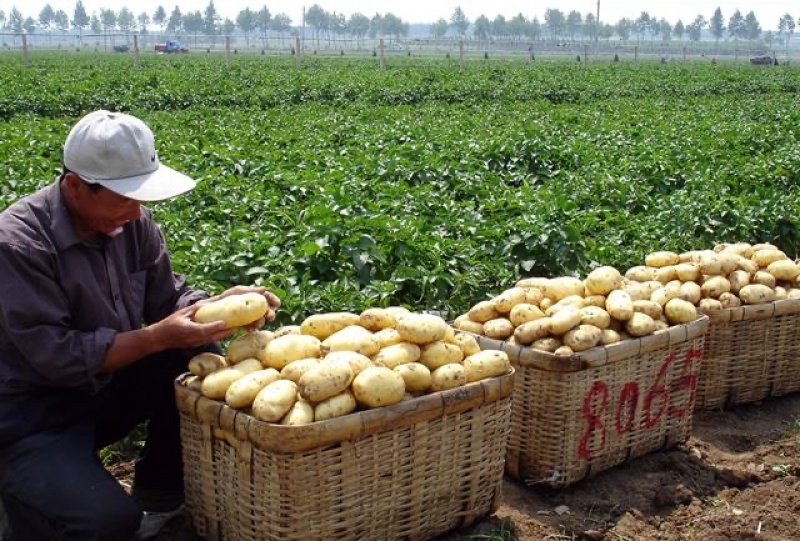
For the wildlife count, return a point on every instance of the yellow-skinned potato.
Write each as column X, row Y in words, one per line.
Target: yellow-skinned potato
column 505, row 301
column 715, row 286
column 756, row 294
column 603, row 280
column 322, row 326
column 397, row 354
column 301, row 413
column 335, row 406
column 376, row 319
column 638, row 291
column 448, row 376
column 499, row 328
column 641, row 273
column 661, row 259
column 707, row 263
column 422, row 328
column 275, row 400
column 353, row 338
column 582, row 337
column 325, row 380
column 234, row 310
column 595, row 300
column 291, row 347
column 449, row 334
column 793, row 294
column 205, row 363
column 780, row 293
column 243, row 391
column 593, row 315
column 388, row 337
column 523, row 313
column 564, row 351
column 295, row 369
column 640, row 324
column 564, row 286
column 764, row 278
column 378, row 386
column 248, row 345
column 483, row 312
column 690, row 292
column 679, row 311
column 486, row 364
column 436, row 354
column 729, row 300
column 619, row 305
column 764, row 258
column 565, row 319
column 546, row 303
column 287, row 329
column 652, row 309
column 784, row 269
column 358, row 362
column 687, row 272
column 532, row 331
column 397, row 312
column 470, row 326
column 609, row 336
column 533, row 295
column 709, row 305
column 216, row 384
column 666, row 274
column 549, row 344
column 466, row 343
column 738, row 279
column 194, row 383
column 417, row 376
column 763, row 246
column 576, row 301
column 537, row 282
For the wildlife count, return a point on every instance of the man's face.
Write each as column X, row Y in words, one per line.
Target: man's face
column 100, row 210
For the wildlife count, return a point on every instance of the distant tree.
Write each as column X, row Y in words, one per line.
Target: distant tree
column 439, row 28
column 125, row 20
column 573, row 24
column 482, row 28
column 517, row 26
column 695, row 30
column 535, row 29
column 786, row 28
column 623, row 29
column 736, row 25
column 47, row 17
column 228, row 26
column 80, row 19
column 316, row 18
column 642, row 24
column 16, row 20
column 679, row 30
column 175, row 21
column 29, row 25
column 62, row 20
column 2, row 20
column 144, row 21
column 607, row 31
column 769, row 38
column 394, row 26
column 752, row 28
column 281, row 23
column 211, row 20
column 160, row 17
column 590, row 27
column 263, row 22
column 246, row 21
column 95, row 25
column 716, row 25
column 358, row 25
column 556, row 22
column 499, row 27
column 376, row 26
column 459, row 21
column 108, row 19
column 666, row 30
column 192, row 23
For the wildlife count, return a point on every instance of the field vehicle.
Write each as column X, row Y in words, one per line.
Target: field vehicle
column 170, row 46
column 121, row 48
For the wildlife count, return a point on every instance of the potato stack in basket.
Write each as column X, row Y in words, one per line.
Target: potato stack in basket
column 336, row 363
column 566, row 315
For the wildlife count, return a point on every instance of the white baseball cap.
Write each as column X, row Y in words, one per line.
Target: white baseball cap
column 117, row 151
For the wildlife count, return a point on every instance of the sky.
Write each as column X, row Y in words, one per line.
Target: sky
column 768, row 12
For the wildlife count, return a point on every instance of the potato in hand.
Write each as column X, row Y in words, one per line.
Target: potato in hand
column 234, row 310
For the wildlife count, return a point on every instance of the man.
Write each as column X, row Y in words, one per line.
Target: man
column 82, row 266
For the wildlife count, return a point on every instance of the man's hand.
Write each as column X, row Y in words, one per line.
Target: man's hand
column 179, row 330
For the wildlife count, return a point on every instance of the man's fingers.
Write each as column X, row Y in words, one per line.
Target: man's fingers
column 273, row 301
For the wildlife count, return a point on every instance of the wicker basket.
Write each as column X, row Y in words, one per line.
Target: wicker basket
column 575, row 416
column 752, row 352
column 409, row 471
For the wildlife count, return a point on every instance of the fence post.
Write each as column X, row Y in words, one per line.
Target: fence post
column 684, row 54
column 585, row 54
column 736, row 54
column 461, row 53
column 25, row 58
column 382, row 47
column 227, row 47
column 635, row 53
column 297, row 52
column 136, row 60
column 530, row 52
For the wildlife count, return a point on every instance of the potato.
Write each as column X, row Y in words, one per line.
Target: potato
column 499, row 328
column 793, row 294
column 640, row 324
column 709, row 305
column 533, row 295
column 378, row 386
column 533, row 282
column 352, row 338
column 486, row 364
column 243, row 391
column 738, row 279
column 448, row 376
column 469, row 326
column 417, row 376
column 608, row 336
column 619, row 305
column 205, row 363
column 679, row 311
column 715, row 286
column 376, row 319
column 666, row 274
column 766, row 257
column 523, row 313
column 603, row 280
column 388, row 337
column 287, row 329
column 582, row 337
column 708, row 264
column 466, row 343
column 780, row 293
column 216, row 384
column 764, row 278
column 558, row 288
column 295, row 369
column 194, row 383
column 549, row 344
column 505, row 301
column 285, row 349
column 325, row 380
column 358, row 362
column 483, row 312
column 762, row 246
column 234, row 310
column 639, row 291
column 323, row 325
column 436, row 354
column 301, row 413
column 565, row 320
column 784, row 269
column 422, row 328
column 335, row 406
column 661, row 259
column 402, row 353
column 756, row 294
column 575, row 301
column 687, row 272
column 564, row 351
column 729, row 300
column 592, row 315
column 397, row 312
column 690, row 292
column 275, row 400
column 652, row 309
column 248, row 345
column 595, row 300
column 546, row 303
column 532, row 330
column 641, row 273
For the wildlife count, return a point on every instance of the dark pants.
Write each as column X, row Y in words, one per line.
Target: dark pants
column 52, row 482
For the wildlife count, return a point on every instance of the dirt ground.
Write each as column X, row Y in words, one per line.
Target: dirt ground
column 737, row 478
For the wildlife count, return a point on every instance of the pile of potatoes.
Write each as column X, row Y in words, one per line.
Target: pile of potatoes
column 566, row 315
column 335, row 363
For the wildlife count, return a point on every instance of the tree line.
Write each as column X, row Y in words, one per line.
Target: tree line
column 557, row 25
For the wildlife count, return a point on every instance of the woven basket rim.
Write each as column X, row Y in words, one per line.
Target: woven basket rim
column 597, row 356
column 351, row 427
column 755, row 311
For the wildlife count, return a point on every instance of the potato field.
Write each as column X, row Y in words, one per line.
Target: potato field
column 341, row 186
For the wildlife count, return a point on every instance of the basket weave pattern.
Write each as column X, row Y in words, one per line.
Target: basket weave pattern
column 573, row 417
column 414, row 471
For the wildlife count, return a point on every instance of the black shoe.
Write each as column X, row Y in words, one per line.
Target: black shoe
column 157, row 500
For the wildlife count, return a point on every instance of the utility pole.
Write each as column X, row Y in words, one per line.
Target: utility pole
column 597, row 20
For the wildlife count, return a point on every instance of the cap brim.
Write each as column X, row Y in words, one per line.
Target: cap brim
column 163, row 183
